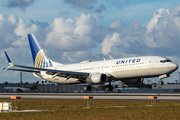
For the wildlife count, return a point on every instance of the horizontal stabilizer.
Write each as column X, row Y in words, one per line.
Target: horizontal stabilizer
column 22, row 70
column 54, row 72
column 60, row 73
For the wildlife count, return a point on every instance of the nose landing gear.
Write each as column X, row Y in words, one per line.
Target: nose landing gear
column 161, row 82
column 161, row 77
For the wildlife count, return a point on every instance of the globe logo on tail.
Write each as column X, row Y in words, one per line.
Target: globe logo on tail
column 42, row 61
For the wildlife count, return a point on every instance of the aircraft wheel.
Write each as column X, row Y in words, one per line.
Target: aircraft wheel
column 109, row 88
column 161, row 82
column 85, row 88
column 89, row 88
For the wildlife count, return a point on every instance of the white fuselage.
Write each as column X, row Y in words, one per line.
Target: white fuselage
column 126, row 68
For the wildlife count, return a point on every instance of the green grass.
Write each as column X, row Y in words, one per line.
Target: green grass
column 101, row 110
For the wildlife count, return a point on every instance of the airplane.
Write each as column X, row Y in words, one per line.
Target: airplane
column 130, row 70
column 20, row 89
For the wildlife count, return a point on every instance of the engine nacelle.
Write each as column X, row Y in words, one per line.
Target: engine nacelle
column 44, row 75
column 133, row 81
column 97, row 78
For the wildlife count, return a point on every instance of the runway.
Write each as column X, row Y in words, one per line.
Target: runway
column 96, row 96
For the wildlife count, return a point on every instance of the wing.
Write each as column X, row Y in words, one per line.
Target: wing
column 60, row 73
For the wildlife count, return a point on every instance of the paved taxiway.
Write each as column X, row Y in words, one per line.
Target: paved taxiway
column 96, row 96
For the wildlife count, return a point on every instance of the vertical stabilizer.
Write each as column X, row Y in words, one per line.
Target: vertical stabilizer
column 40, row 59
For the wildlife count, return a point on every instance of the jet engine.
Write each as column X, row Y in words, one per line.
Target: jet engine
column 97, row 78
column 133, row 81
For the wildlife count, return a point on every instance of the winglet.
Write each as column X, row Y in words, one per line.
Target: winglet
column 9, row 60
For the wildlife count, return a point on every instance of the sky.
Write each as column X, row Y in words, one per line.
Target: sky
column 72, row 31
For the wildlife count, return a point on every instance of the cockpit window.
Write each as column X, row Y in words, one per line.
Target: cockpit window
column 168, row 60
column 163, row 61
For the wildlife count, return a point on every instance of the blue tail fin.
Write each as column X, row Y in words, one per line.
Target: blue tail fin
column 40, row 59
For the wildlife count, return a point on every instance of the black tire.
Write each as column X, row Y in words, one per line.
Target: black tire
column 107, row 88
column 161, row 83
column 89, row 88
column 111, row 88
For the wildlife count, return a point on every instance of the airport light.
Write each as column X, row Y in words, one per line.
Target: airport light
column 20, row 77
column 179, row 77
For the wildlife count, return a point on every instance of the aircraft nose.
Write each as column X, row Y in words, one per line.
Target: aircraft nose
column 174, row 66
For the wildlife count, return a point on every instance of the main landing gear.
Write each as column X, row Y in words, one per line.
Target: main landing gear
column 109, row 88
column 87, row 88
